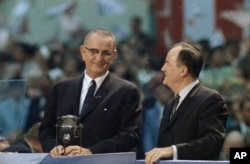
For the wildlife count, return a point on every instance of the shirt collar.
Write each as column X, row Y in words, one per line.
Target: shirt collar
column 183, row 93
column 87, row 79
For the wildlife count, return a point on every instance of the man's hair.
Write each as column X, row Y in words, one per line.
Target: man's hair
column 100, row 32
column 191, row 57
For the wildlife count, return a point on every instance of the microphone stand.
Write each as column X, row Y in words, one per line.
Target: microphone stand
column 68, row 128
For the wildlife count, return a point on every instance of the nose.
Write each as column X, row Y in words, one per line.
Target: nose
column 99, row 56
column 163, row 68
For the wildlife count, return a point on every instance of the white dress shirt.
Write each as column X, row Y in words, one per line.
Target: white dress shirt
column 86, row 84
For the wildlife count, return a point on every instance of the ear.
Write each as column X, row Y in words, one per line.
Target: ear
column 82, row 51
column 184, row 71
column 115, row 53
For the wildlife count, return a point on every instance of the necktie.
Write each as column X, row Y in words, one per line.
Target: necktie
column 176, row 101
column 89, row 95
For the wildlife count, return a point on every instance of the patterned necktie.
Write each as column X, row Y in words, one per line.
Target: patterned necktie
column 176, row 101
column 89, row 95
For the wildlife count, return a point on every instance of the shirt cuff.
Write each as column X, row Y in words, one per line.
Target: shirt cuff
column 175, row 155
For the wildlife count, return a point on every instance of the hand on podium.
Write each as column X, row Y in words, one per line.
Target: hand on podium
column 158, row 153
column 69, row 151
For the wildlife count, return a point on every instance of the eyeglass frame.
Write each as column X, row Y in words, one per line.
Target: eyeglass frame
column 105, row 53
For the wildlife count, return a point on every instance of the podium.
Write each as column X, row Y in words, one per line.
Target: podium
column 45, row 158
column 185, row 162
column 109, row 158
column 20, row 158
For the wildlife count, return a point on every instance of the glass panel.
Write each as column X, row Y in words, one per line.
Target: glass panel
column 12, row 108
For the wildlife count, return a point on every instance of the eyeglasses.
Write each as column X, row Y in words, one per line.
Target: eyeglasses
column 105, row 53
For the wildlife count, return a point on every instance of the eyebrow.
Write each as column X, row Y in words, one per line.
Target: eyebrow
column 97, row 49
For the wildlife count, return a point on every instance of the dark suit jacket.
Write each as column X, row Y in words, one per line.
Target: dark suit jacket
column 20, row 147
column 198, row 127
column 111, row 123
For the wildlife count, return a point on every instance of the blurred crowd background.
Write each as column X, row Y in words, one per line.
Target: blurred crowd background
column 39, row 43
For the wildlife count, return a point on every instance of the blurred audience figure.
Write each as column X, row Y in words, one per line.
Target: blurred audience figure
column 232, row 52
column 145, row 73
column 3, row 143
column 24, row 56
column 4, row 32
column 19, row 18
column 70, row 68
column 13, row 107
column 218, row 75
column 204, row 47
column 55, row 65
column 153, row 105
column 30, row 143
column 243, row 125
column 70, row 23
column 37, row 104
column 6, row 66
column 243, row 66
column 234, row 139
column 139, row 40
column 121, row 69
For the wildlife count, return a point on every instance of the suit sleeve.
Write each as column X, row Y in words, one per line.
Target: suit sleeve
column 47, row 129
column 211, row 122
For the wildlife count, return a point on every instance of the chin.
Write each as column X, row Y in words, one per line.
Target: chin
column 164, row 82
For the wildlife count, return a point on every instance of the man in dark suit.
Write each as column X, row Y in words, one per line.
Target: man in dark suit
column 196, row 130
column 112, row 120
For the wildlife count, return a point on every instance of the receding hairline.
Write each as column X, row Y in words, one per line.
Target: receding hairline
column 190, row 56
column 101, row 32
column 187, row 46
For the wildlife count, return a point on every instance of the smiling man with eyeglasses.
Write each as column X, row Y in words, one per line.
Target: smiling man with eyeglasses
column 98, row 52
column 113, row 116
column 106, row 53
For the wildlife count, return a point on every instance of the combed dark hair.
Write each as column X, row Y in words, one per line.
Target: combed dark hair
column 191, row 57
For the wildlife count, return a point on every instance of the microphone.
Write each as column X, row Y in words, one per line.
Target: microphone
column 68, row 128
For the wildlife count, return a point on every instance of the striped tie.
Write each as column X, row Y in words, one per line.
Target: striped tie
column 176, row 101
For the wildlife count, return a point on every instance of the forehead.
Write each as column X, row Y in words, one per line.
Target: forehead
column 173, row 53
column 99, row 38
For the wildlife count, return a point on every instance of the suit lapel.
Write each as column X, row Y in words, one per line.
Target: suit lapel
column 183, row 106
column 96, row 100
column 169, row 111
column 99, row 95
column 77, row 94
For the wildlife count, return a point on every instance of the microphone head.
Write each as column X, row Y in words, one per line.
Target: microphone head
column 66, row 139
column 68, row 125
